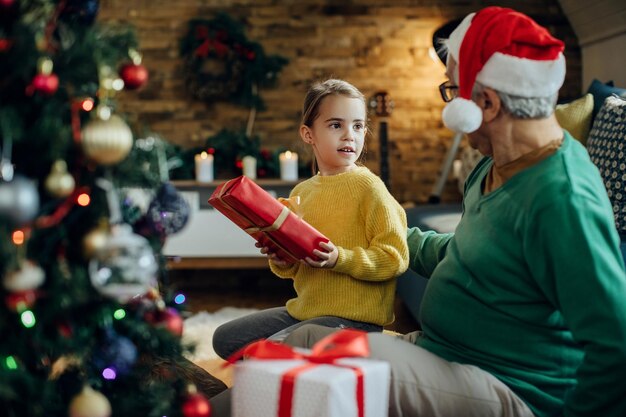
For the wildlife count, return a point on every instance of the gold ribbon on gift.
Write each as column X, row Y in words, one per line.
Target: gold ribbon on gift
column 284, row 213
column 293, row 203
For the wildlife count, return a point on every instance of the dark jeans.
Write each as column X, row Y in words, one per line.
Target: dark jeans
column 274, row 324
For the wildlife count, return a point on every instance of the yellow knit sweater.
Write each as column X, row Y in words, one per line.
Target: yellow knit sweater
column 357, row 213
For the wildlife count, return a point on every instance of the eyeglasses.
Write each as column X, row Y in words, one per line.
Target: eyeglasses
column 448, row 91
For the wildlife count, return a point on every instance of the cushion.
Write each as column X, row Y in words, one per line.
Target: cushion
column 575, row 117
column 607, row 148
column 601, row 91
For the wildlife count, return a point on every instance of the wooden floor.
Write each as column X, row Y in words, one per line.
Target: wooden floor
column 210, row 290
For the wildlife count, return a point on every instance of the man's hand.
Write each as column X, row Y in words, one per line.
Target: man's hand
column 327, row 258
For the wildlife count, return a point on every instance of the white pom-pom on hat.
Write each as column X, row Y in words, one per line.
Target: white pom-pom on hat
column 462, row 115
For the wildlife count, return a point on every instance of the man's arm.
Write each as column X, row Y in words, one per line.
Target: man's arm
column 426, row 249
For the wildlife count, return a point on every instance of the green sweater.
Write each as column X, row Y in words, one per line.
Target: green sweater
column 532, row 287
column 368, row 226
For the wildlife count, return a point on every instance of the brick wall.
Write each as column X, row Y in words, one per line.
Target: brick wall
column 375, row 44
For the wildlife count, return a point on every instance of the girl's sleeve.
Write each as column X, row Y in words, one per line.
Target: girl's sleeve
column 288, row 271
column 387, row 255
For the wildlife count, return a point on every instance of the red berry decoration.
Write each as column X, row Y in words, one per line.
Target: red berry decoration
column 134, row 75
column 196, row 405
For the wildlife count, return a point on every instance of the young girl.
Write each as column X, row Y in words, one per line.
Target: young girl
column 352, row 283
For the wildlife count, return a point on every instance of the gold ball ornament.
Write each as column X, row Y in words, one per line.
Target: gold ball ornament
column 107, row 141
column 59, row 182
column 94, row 240
column 90, row 403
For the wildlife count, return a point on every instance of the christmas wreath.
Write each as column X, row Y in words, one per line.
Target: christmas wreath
column 220, row 63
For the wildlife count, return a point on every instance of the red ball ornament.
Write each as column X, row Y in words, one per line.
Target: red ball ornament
column 45, row 84
column 168, row 318
column 134, row 75
column 196, row 405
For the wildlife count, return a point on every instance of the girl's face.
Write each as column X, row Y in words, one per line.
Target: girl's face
column 338, row 134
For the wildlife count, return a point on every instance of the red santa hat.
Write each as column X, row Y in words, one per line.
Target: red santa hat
column 507, row 51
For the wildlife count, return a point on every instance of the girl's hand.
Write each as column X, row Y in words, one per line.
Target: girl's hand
column 276, row 260
column 327, row 259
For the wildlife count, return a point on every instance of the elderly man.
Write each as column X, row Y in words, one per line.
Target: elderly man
column 525, row 310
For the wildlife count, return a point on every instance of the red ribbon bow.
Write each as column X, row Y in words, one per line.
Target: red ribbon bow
column 342, row 344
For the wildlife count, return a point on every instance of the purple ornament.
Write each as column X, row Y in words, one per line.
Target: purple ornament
column 169, row 212
column 115, row 352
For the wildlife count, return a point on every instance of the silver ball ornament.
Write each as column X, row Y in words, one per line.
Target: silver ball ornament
column 19, row 199
column 125, row 267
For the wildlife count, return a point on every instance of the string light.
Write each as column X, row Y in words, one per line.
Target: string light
column 119, row 314
column 10, row 362
column 83, row 199
column 87, row 104
column 109, row 373
column 18, row 237
column 28, row 319
column 179, row 299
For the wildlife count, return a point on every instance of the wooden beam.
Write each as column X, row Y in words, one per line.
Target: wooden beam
column 256, row 262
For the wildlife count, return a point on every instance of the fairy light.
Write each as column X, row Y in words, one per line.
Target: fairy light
column 28, row 319
column 117, row 84
column 83, row 199
column 18, row 237
column 10, row 362
column 119, row 314
column 179, row 299
column 109, row 373
column 87, row 104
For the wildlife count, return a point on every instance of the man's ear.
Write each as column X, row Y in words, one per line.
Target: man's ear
column 305, row 134
column 490, row 104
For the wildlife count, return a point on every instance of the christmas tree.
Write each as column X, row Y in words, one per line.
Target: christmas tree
column 88, row 328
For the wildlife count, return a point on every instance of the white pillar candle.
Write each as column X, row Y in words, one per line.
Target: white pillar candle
column 249, row 166
column 204, row 167
column 288, row 166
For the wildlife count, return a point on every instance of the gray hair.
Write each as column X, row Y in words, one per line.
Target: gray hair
column 523, row 107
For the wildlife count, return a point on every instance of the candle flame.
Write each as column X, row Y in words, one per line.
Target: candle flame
column 204, row 155
column 288, row 154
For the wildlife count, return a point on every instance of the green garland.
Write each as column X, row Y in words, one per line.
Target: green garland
column 220, row 63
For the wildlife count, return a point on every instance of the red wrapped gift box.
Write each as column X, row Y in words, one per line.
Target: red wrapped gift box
column 266, row 219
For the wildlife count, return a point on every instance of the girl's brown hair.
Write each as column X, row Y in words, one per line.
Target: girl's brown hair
column 321, row 89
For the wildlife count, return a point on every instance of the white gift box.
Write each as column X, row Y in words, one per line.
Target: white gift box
column 321, row 391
